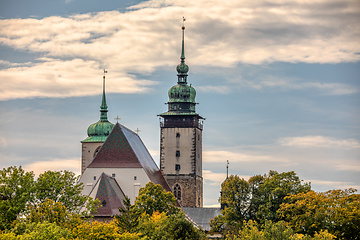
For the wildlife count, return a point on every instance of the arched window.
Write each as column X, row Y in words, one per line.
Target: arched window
column 177, row 135
column 177, row 192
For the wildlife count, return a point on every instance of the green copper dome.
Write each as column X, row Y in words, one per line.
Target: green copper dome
column 98, row 132
column 182, row 93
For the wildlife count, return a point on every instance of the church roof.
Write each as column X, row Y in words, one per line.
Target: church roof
column 110, row 194
column 202, row 216
column 124, row 149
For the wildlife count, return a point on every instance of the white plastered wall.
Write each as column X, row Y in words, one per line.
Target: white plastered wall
column 123, row 176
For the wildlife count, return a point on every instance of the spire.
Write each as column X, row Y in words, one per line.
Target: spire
column 103, row 107
column 182, row 68
column 182, row 46
column 227, row 169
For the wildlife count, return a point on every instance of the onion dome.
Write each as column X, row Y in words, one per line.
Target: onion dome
column 181, row 96
column 98, row 132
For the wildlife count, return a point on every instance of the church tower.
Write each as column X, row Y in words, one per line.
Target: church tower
column 97, row 134
column 181, row 140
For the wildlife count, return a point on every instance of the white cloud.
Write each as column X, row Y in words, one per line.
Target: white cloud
column 54, row 165
column 140, row 40
column 319, row 142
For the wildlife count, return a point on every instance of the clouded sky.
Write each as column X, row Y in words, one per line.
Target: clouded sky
column 277, row 81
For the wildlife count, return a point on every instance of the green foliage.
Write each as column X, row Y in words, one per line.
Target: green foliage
column 274, row 231
column 60, row 186
column 173, row 227
column 16, row 188
column 53, row 212
column 337, row 211
column 257, row 199
column 96, row 231
column 155, row 216
column 128, row 219
column 153, row 198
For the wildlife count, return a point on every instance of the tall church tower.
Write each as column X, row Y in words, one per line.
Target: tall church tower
column 181, row 140
column 97, row 134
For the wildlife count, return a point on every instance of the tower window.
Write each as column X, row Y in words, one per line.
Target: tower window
column 178, row 153
column 94, row 177
column 177, row 135
column 113, row 175
column 135, row 178
column 177, row 167
column 177, row 192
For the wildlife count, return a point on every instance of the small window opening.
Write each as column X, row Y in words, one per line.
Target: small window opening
column 177, row 192
column 177, row 167
column 113, row 175
column 103, row 203
column 177, row 135
column 135, row 178
column 177, row 153
column 94, row 177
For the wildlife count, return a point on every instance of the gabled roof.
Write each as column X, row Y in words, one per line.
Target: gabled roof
column 124, row 149
column 111, row 197
column 116, row 152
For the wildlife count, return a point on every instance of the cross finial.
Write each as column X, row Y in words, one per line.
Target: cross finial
column 117, row 118
column 105, row 72
column 137, row 131
column 183, row 26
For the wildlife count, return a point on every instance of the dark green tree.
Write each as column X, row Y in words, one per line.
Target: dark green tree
column 128, row 219
column 60, row 186
column 16, row 188
column 153, row 198
column 257, row 199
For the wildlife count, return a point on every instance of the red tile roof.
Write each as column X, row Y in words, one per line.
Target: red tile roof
column 116, row 152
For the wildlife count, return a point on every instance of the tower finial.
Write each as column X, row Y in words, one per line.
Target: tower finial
column 182, row 47
column 182, row 68
column 103, row 107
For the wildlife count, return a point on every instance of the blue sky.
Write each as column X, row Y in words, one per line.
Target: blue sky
column 277, row 81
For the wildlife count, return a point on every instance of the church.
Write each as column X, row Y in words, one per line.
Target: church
column 115, row 162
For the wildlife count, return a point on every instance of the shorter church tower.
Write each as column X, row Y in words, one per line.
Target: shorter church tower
column 181, row 140
column 97, row 134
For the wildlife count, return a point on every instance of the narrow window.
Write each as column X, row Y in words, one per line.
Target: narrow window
column 135, row 178
column 177, row 135
column 94, row 177
column 177, row 167
column 178, row 153
column 177, row 192
column 113, row 175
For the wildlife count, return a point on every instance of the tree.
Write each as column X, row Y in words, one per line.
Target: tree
column 153, row 198
column 274, row 230
column 16, row 188
column 155, row 216
column 128, row 219
column 60, row 186
column 337, row 211
column 257, row 199
column 173, row 227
